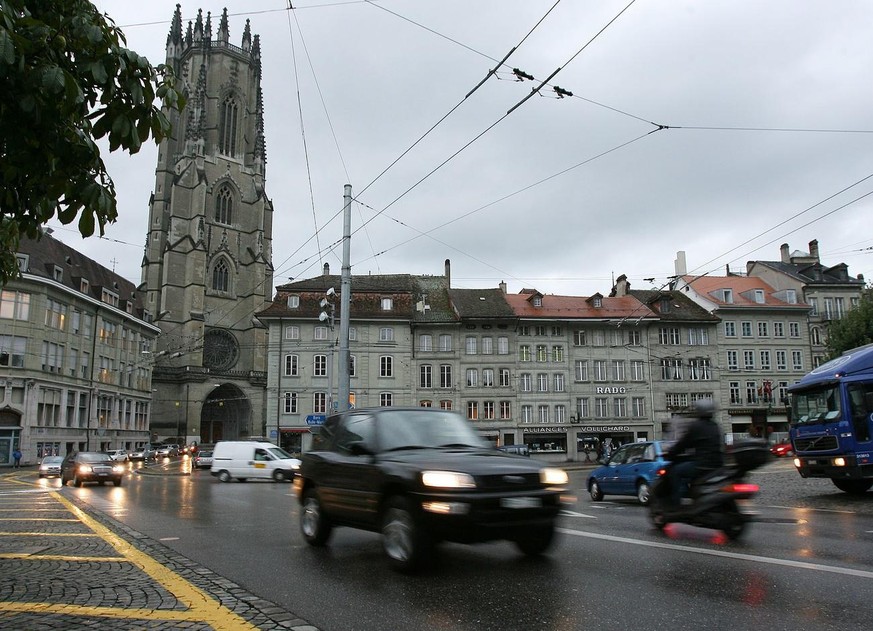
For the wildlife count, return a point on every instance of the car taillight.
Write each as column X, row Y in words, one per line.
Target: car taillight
column 742, row 488
column 662, row 471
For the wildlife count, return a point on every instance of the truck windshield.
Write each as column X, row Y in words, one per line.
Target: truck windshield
column 814, row 406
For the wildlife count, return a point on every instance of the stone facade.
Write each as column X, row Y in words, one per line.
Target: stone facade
column 207, row 266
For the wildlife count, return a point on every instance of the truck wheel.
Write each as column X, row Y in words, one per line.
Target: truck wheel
column 853, row 487
column 536, row 540
column 224, row 476
column 314, row 525
column 407, row 545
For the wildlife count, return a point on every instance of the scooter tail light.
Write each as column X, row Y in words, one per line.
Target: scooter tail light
column 742, row 488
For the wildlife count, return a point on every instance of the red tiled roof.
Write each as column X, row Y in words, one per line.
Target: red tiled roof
column 578, row 307
column 709, row 287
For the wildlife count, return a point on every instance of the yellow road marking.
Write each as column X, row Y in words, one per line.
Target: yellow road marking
column 201, row 606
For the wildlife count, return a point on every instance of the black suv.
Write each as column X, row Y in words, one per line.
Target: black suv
column 420, row 476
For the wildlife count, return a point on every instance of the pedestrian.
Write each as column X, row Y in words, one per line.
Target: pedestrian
column 16, row 457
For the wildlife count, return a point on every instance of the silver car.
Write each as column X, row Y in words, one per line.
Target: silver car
column 50, row 466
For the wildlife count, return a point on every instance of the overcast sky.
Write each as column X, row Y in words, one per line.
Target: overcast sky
column 767, row 137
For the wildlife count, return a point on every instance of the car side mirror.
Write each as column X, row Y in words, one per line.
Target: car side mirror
column 359, row 448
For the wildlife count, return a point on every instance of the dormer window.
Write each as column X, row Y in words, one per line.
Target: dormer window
column 759, row 296
column 597, row 302
column 728, row 296
column 387, row 304
column 109, row 297
column 84, row 286
column 58, row 274
column 293, row 302
column 665, row 305
column 22, row 260
column 791, row 296
column 537, row 301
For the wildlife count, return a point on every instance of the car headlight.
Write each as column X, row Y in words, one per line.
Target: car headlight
column 295, row 466
column 448, row 479
column 551, row 476
column 85, row 468
column 117, row 468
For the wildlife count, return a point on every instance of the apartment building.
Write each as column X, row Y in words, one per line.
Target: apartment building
column 75, row 356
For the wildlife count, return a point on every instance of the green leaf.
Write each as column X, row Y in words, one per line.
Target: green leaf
column 52, row 80
column 7, row 48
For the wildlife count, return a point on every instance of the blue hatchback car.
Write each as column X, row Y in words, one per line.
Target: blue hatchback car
column 630, row 470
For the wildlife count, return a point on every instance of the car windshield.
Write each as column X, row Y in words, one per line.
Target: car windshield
column 52, row 460
column 409, row 430
column 278, row 452
column 205, row 454
column 94, row 457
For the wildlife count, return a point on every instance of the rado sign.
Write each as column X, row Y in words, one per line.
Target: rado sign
column 610, row 390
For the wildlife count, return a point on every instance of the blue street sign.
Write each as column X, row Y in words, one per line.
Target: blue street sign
column 315, row 419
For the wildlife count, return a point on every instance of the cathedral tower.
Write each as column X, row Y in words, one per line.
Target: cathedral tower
column 208, row 267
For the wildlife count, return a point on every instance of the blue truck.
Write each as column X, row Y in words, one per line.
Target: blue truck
column 832, row 421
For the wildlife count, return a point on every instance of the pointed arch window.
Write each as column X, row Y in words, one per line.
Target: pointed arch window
column 220, row 276
column 227, row 126
column 224, row 206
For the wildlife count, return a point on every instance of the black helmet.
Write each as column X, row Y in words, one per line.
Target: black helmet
column 703, row 408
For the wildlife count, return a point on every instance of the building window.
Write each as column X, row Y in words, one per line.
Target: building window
column 425, row 373
column 581, row 369
column 446, row 404
column 425, row 403
column 638, row 372
column 292, row 365
column 765, row 360
column 583, row 410
column 220, row 276
column 797, row 360
column 524, row 353
column 619, row 407
column 224, row 206
column 293, row 302
column 793, row 329
column 505, row 410
column 791, row 296
column 600, row 373
column 734, row 391
column 542, row 353
column 386, row 334
column 759, row 296
column 14, row 305
column 487, row 345
column 698, row 369
column 386, row 366
column 227, row 124
column 762, row 329
column 387, row 304
column 671, row 369
column 601, row 407
column 473, row 410
column 52, row 357
column 386, row 399
column 543, row 413
column 746, row 329
column 445, row 343
column 292, row 332
column 353, row 366
column 579, row 338
column 733, row 362
column 669, row 336
column 638, row 405
column 471, row 345
column 542, row 382
column 319, row 402
column 559, row 382
column 503, row 376
column 488, row 410
column 319, row 333
column 290, row 399
column 445, row 376
column 526, row 382
column 353, row 334
column 503, row 345
column 558, row 354
column 698, row 337
column 526, row 413
column 55, row 314
column 749, row 360
column 320, row 366
column 727, row 296
column 488, row 377
column 751, row 392
column 425, row 343
column 781, row 360
column 778, row 329
column 472, row 378
column 618, row 373
column 730, row 329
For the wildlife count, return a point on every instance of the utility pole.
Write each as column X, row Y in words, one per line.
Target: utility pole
column 345, row 302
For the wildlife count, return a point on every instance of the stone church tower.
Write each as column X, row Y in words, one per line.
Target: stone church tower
column 208, row 267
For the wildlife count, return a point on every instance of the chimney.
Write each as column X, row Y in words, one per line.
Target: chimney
column 679, row 264
column 448, row 273
column 327, row 269
column 813, row 250
column 786, row 255
column 502, row 286
column 621, row 287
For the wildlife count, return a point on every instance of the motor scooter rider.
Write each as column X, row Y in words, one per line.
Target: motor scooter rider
column 697, row 451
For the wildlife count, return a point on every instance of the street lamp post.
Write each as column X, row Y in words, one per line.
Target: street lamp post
column 327, row 315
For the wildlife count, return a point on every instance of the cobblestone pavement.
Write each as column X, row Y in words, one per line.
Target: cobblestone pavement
column 65, row 566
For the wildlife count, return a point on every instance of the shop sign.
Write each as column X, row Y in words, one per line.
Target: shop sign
column 605, row 428
column 544, row 430
column 610, row 390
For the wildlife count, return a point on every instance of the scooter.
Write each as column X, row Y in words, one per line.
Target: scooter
column 714, row 496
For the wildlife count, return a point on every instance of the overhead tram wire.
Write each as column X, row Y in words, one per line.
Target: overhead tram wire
column 491, row 72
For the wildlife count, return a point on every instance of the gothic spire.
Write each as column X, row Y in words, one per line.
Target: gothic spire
column 174, row 37
column 247, row 36
column 223, row 28
column 198, row 26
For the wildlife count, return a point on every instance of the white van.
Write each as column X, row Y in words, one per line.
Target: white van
column 242, row 459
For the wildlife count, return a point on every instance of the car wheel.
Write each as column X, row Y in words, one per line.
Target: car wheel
column 644, row 492
column 77, row 482
column 314, row 525
column 536, row 540
column 407, row 545
column 224, row 476
column 279, row 476
column 595, row 491
column 117, row 482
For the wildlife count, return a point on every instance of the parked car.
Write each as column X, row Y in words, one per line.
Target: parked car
column 519, row 450
column 90, row 466
column 630, row 470
column 167, row 451
column 421, row 476
column 203, row 458
column 119, row 455
column 782, row 449
column 50, row 466
column 142, row 453
column 244, row 459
